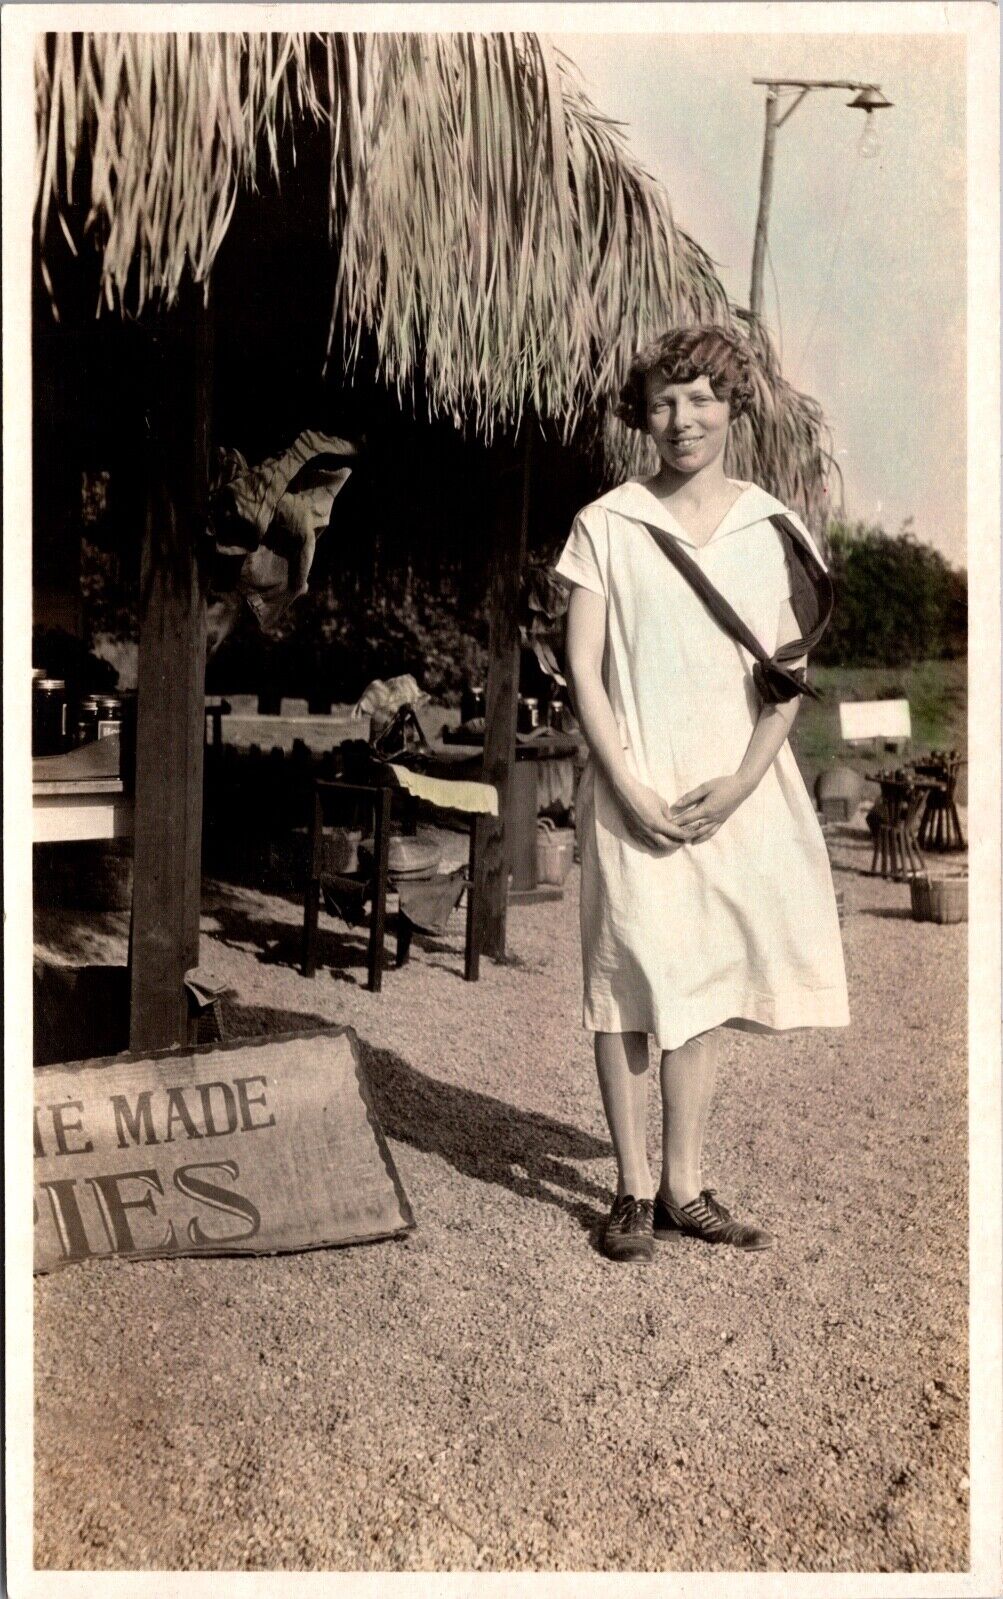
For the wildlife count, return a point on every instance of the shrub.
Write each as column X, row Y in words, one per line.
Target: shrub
column 897, row 600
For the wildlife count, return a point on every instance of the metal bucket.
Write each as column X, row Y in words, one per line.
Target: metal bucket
column 555, row 848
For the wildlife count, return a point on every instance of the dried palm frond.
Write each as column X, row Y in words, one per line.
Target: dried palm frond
column 492, row 229
column 160, row 131
column 495, row 230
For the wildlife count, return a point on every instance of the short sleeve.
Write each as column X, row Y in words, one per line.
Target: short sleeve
column 785, row 591
column 582, row 562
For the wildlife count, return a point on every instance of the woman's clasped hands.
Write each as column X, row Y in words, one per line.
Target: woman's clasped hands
column 691, row 819
column 707, row 806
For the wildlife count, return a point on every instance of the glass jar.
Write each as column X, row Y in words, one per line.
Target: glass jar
column 109, row 718
column 85, row 725
column 48, row 716
column 472, row 702
column 528, row 716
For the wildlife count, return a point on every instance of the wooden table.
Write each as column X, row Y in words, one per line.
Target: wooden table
column 71, row 812
column 80, row 795
column 522, row 818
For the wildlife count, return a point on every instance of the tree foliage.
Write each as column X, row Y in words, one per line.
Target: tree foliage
column 897, row 600
column 330, row 649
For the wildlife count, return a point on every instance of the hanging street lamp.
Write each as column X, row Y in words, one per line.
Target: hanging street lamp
column 868, row 98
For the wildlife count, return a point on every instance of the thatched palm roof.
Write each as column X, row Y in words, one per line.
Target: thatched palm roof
column 492, row 228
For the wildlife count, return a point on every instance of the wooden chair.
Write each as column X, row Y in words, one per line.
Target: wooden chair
column 895, row 846
column 381, row 799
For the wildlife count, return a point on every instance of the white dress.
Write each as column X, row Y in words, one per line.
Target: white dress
column 742, row 928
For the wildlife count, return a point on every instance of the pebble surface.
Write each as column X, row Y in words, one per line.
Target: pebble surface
column 491, row 1393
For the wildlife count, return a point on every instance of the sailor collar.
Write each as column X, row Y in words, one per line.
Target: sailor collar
column 635, row 500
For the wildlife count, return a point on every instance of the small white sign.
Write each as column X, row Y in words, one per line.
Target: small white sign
column 869, row 719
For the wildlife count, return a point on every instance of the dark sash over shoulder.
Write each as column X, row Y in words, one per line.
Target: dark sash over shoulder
column 811, row 602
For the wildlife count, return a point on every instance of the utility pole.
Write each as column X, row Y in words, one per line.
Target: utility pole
column 765, row 196
column 868, row 98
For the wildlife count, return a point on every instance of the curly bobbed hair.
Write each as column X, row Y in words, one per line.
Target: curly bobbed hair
column 681, row 356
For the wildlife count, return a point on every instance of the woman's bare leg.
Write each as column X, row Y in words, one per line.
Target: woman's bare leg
column 622, row 1064
column 687, row 1075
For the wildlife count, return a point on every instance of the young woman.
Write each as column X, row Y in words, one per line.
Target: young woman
column 707, row 899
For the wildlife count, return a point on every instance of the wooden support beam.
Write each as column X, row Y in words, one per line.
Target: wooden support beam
column 167, row 877
column 508, row 561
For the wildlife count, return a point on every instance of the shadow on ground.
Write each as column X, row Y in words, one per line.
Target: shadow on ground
column 342, row 951
column 81, row 1012
column 480, row 1136
column 341, row 955
column 889, row 913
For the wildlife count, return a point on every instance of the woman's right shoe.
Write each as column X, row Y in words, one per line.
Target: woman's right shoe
column 705, row 1217
column 628, row 1233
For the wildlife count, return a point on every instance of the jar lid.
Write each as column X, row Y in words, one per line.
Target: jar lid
column 37, row 673
column 89, row 702
column 107, row 699
column 51, row 683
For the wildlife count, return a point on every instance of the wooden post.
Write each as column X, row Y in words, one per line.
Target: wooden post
column 381, row 853
column 507, row 563
column 765, row 195
column 472, row 953
column 167, row 877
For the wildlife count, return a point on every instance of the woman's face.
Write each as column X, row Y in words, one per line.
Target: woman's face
column 688, row 424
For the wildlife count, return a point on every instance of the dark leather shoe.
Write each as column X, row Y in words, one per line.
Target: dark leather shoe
column 705, row 1217
column 628, row 1232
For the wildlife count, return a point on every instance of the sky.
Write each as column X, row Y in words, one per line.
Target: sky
column 868, row 305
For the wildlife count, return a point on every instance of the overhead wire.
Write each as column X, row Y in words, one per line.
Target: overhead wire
column 837, row 246
column 783, row 93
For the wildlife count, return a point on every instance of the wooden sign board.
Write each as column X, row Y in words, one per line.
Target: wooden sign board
column 862, row 720
column 246, row 1148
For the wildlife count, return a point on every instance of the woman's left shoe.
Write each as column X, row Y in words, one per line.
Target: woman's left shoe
column 627, row 1234
column 705, row 1217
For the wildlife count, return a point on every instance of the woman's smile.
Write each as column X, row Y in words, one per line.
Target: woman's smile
column 687, row 422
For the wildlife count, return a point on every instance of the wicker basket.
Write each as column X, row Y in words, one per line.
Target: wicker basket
column 939, row 897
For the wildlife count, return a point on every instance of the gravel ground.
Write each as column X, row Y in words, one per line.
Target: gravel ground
column 491, row 1393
